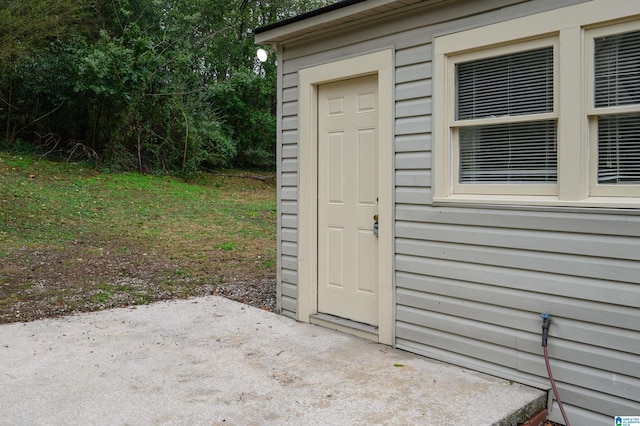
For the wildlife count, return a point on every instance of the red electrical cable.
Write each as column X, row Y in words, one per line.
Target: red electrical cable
column 553, row 385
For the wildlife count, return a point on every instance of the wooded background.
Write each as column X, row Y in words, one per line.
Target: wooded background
column 169, row 86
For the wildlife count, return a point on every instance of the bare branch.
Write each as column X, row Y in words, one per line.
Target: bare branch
column 41, row 117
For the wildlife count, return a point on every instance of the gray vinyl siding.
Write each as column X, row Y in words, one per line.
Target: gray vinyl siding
column 470, row 282
column 288, row 197
column 413, row 121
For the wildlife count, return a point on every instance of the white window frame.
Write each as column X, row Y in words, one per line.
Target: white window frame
column 455, row 125
column 571, row 30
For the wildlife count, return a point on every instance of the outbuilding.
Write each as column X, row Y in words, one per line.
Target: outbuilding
column 449, row 170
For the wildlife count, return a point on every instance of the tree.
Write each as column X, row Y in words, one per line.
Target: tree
column 152, row 85
column 25, row 26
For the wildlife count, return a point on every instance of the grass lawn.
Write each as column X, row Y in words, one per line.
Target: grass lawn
column 73, row 239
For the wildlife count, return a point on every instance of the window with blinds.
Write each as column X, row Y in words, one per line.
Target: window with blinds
column 550, row 118
column 617, row 85
column 504, row 112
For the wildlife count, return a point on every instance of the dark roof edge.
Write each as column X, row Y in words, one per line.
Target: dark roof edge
column 311, row 14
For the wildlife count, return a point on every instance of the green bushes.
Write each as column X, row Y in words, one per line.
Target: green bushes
column 164, row 86
column 245, row 102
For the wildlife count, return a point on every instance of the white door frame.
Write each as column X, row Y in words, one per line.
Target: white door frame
column 380, row 63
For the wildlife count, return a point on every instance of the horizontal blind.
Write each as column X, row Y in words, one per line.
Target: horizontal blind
column 617, row 70
column 619, row 149
column 514, row 84
column 509, row 153
column 617, row 82
column 508, row 85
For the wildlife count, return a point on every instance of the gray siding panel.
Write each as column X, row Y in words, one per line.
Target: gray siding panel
column 413, row 90
column 413, row 125
column 544, row 292
column 289, row 165
column 289, row 296
column 289, row 290
column 289, row 193
column 414, row 143
column 290, row 94
column 290, row 123
column 289, row 221
column 290, row 81
column 417, row 160
column 413, row 107
column 579, row 416
column 413, row 178
column 619, row 247
column 289, row 207
column 470, row 319
column 413, row 195
column 583, row 222
column 593, row 269
column 414, row 72
column 289, row 249
column 289, row 179
column 290, row 108
column 290, row 151
column 415, row 54
column 290, row 235
column 519, row 314
column 290, row 137
column 289, row 262
column 595, row 401
column 289, row 283
column 289, row 307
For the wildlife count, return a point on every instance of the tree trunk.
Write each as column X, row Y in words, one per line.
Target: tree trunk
column 95, row 126
column 8, row 130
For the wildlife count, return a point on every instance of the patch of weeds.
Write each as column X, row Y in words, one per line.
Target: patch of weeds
column 144, row 298
column 168, row 284
column 181, row 273
column 269, row 263
column 228, row 246
column 104, row 295
column 268, row 258
column 177, row 282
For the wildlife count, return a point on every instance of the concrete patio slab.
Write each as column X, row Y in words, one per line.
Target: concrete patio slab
column 213, row 361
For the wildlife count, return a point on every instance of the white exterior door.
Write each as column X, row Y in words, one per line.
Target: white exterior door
column 348, row 199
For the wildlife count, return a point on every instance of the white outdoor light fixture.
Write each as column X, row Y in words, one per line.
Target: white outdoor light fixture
column 262, row 55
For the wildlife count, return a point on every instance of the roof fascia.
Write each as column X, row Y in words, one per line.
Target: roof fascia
column 325, row 9
column 280, row 31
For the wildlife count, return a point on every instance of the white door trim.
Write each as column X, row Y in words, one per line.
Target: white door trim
column 380, row 63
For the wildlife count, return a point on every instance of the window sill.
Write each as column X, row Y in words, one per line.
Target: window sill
column 619, row 204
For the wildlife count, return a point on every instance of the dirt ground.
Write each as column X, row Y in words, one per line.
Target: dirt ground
column 88, row 276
